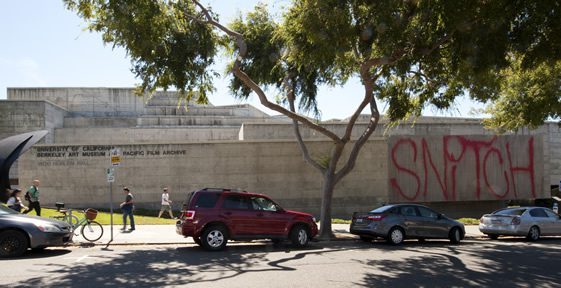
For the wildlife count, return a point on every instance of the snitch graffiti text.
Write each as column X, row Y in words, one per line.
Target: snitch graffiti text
column 483, row 157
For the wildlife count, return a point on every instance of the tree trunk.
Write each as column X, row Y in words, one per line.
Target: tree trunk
column 330, row 176
column 325, row 232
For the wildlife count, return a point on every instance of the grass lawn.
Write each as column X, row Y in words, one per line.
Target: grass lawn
column 340, row 221
column 104, row 217
column 469, row 221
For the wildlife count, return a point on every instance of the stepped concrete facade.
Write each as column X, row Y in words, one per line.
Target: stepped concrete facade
column 452, row 163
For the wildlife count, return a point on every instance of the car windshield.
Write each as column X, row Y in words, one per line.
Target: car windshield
column 5, row 210
column 382, row 209
column 516, row 211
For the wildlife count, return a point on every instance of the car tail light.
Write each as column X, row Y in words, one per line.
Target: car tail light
column 515, row 221
column 188, row 215
column 376, row 217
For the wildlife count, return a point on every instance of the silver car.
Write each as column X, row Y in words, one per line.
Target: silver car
column 531, row 222
column 397, row 222
column 20, row 232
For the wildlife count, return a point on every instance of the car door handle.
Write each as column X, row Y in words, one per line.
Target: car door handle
column 227, row 213
column 260, row 214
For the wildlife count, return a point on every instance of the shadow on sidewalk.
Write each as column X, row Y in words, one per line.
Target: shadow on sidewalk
column 434, row 264
column 177, row 266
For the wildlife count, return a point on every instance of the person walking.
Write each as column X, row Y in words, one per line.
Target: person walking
column 14, row 202
column 166, row 204
column 128, row 208
column 33, row 198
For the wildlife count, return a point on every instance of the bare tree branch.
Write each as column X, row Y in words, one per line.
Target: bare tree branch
column 368, row 82
column 372, row 124
column 240, row 42
column 295, row 125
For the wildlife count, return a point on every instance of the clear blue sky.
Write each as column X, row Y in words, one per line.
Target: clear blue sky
column 44, row 45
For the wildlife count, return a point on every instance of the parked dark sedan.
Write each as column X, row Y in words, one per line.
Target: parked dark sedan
column 20, row 232
column 398, row 222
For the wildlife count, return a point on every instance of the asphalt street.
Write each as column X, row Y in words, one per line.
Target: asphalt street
column 165, row 234
column 509, row 262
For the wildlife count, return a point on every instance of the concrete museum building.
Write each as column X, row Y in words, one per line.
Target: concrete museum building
column 453, row 164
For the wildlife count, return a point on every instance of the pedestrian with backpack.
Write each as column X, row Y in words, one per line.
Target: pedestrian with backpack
column 32, row 196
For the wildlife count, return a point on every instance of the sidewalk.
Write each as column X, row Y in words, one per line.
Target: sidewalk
column 165, row 234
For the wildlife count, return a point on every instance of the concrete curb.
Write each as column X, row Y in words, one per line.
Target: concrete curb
column 88, row 245
column 166, row 235
column 337, row 239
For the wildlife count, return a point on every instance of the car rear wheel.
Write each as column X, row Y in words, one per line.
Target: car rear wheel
column 13, row 243
column 396, row 236
column 455, row 235
column 534, row 233
column 214, row 238
column 299, row 236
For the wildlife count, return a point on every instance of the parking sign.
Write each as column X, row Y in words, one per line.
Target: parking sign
column 115, row 157
column 110, row 175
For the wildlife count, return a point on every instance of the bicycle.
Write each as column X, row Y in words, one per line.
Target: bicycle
column 91, row 230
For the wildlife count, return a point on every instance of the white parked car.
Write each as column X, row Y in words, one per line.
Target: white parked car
column 531, row 222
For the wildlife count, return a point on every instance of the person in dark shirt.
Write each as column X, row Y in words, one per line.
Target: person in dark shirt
column 128, row 208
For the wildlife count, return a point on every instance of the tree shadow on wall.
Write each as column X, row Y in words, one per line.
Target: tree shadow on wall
column 490, row 265
column 173, row 266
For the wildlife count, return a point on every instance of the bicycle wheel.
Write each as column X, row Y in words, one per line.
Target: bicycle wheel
column 92, row 231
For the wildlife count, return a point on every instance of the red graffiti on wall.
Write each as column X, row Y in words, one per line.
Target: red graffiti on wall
column 485, row 158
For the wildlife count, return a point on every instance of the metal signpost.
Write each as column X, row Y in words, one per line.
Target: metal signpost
column 115, row 155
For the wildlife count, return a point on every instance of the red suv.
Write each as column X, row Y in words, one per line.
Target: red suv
column 214, row 216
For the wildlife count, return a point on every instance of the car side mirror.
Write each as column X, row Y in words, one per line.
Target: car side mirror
column 439, row 216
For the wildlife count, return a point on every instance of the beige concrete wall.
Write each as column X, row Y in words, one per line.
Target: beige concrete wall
column 122, row 101
column 550, row 133
column 94, row 122
column 75, row 174
column 122, row 118
column 18, row 117
column 553, row 152
column 196, row 120
column 120, row 135
column 84, row 101
column 25, row 116
column 255, row 130
column 466, row 168
column 242, row 110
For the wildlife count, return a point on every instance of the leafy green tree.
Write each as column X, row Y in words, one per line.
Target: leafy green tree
column 409, row 54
